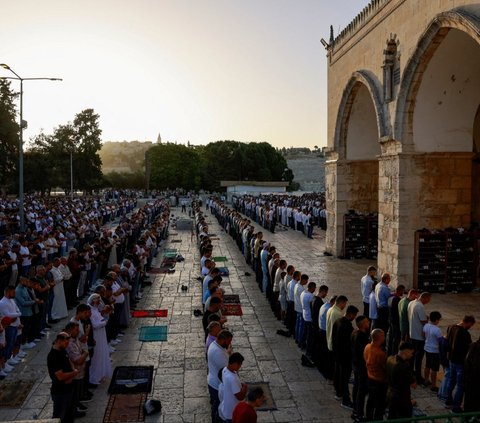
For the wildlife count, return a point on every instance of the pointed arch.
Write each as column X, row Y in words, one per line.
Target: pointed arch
column 464, row 19
column 359, row 79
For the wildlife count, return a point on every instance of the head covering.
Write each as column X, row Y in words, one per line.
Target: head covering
column 92, row 298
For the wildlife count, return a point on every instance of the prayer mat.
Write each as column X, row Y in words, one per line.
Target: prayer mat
column 269, row 403
column 169, row 254
column 231, row 299
column 173, row 234
column 215, row 239
column 125, row 408
column 224, row 271
column 153, row 333
column 210, row 235
column 176, row 240
column 219, row 259
column 232, row 310
column 150, row 313
column 131, row 380
column 160, row 270
column 170, row 250
column 13, row 394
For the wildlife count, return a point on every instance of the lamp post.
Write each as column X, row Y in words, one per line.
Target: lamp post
column 20, row 147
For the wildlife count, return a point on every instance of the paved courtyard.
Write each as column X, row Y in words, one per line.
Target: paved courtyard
column 300, row 393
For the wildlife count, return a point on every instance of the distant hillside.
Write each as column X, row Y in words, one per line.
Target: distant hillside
column 308, row 171
column 123, row 156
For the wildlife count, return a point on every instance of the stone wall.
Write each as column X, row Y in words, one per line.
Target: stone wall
column 309, row 172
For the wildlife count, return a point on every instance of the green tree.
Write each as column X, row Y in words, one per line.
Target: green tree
column 174, row 165
column 9, row 133
column 81, row 140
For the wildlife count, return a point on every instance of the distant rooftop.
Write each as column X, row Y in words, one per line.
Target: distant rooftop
column 254, row 183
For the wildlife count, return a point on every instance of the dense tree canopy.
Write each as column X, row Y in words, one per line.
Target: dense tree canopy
column 81, row 139
column 196, row 167
column 9, row 135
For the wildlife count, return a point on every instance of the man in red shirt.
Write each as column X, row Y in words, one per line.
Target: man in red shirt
column 244, row 411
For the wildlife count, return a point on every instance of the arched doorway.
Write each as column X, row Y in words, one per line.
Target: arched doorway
column 437, row 122
column 352, row 177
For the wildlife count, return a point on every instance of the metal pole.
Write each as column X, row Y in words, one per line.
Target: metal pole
column 71, row 174
column 20, row 163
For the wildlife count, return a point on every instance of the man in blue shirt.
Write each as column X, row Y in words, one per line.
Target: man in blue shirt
column 382, row 295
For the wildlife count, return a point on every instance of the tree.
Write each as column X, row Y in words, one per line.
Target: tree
column 9, row 136
column 174, row 165
column 81, row 139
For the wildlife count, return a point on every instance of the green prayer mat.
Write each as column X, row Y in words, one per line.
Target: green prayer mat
column 153, row 333
column 219, row 259
column 170, row 250
column 170, row 254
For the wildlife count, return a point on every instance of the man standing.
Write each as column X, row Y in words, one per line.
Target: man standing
column 375, row 360
column 299, row 326
column 217, row 358
column 342, row 350
column 360, row 340
column 366, row 286
column 393, row 336
column 62, row 375
column 244, row 411
column 459, row 341
column 306, row 299
column 400, row 378
column 403, row 314
column 382, row 295
column 234, row 390
column 417, row 317
column 472, row 375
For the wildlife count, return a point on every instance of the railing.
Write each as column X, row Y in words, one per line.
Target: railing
column 473, row 417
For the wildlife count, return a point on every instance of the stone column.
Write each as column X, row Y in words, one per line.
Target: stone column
column 397, row 212
column 336, row 201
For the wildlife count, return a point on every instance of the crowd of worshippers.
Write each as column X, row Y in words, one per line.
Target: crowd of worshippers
column 231, row 400
column 110, row 272
column 301, row 213
column 46, row 214
column 386, row 350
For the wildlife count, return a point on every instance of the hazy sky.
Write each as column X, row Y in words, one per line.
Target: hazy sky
column 197, row 70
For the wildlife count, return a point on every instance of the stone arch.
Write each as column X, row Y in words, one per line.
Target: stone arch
column 359, row 79
column 463, row 19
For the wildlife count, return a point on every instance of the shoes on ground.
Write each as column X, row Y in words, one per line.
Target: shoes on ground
column 3, row 374
column 81, row 407
column 28, row 346
column 21, row 354
column 7, row 368
column 347, row 405
column 337, row 397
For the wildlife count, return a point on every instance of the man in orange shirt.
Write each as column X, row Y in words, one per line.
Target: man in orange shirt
column 376, row 361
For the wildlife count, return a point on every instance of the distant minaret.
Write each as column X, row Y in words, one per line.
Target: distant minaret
column 159, row 139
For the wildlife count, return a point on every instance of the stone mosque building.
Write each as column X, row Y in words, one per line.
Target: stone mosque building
column 404, row 131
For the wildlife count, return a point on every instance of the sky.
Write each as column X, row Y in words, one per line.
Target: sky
column 191, row 70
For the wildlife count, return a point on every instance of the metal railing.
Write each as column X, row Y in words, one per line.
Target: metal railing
column 473, row 417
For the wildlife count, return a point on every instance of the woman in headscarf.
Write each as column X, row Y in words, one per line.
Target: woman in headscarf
column 101, row 366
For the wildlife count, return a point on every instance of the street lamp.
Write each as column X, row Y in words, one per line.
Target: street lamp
column 20, row 147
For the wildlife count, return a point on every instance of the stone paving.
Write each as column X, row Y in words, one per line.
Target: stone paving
column 300, row 393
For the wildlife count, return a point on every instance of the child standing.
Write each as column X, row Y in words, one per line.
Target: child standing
column 432, row 335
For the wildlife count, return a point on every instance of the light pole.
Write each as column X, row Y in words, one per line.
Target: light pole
column 20, row 147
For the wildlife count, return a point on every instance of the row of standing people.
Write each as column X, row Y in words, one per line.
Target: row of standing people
column 323, row 329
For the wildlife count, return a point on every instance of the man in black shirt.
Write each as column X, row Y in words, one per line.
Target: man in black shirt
column 360, row 339
column 400, row 377
column 393, row 336
column 342, row 349
column 459, row 341
column 62, row 374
